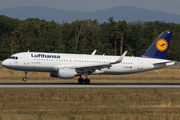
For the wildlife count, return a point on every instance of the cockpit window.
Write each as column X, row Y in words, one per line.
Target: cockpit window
column 14, row 57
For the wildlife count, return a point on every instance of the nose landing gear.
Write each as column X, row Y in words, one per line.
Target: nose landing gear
column 24, row 79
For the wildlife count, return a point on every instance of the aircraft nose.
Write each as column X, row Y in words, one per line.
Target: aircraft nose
column 4, row 63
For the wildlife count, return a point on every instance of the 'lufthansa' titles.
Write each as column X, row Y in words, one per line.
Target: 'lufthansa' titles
column 162, row 45
column 45, row 56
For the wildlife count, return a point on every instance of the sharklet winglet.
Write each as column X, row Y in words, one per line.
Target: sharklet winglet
column 120, row 59
column 94, row 52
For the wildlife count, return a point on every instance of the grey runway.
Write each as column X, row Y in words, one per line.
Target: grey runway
column 91, row 85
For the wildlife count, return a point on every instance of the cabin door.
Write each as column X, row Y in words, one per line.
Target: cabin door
column 26, row 58
column 140, row 64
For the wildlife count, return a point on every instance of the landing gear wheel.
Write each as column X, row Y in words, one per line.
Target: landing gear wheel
column 86, row 81
column 24, row 79
column 80, row 80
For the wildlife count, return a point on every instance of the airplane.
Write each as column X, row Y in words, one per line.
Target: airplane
column 66, row 66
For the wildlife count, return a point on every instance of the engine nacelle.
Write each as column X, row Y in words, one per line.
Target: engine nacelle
column 64, row 73
column 54, row 74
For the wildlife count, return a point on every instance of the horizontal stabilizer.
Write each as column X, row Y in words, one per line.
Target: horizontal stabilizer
column 162, row 62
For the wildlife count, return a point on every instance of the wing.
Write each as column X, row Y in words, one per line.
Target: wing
column 92, row 67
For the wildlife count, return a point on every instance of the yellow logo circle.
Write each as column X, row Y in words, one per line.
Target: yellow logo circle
column 161, row 44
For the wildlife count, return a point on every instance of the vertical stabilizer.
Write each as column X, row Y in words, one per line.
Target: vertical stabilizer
column 160, row 47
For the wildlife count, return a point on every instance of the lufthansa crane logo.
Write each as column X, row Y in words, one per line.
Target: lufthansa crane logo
column 161, row 44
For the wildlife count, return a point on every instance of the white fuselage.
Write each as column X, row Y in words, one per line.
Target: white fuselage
column 51, row 62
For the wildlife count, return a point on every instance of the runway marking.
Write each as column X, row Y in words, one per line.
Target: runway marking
column 91, row 85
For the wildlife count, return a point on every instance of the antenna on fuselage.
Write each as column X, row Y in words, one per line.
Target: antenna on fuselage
column 28, row 51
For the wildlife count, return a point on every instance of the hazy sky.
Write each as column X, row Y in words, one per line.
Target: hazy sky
column 170, row 6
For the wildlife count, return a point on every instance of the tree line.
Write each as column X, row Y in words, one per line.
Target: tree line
column 84, row 36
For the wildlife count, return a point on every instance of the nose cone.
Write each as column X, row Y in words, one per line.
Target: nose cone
column 4, row 63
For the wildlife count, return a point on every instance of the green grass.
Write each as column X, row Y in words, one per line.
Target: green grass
column 84, row 104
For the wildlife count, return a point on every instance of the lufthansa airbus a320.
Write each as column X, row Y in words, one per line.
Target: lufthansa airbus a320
column 68, row 66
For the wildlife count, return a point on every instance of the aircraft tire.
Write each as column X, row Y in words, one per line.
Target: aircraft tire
column 80, row 80
column 24, row 79
column 86, row 81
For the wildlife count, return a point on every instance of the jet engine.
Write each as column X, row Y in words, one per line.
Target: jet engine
column 64, row 73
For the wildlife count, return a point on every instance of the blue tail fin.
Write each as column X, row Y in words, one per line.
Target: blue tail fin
column 160, row 47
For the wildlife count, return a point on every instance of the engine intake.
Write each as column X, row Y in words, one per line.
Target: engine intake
column 54, row 74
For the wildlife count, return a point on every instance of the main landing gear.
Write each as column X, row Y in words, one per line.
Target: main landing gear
column 81, row 80
column 24, row 79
